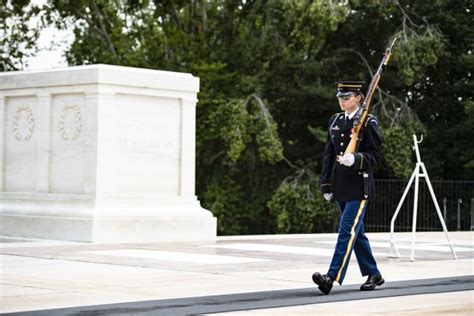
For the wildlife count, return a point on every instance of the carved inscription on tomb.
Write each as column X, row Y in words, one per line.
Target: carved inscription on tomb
column 148, row 149
column 23, row 123
column 70, row 122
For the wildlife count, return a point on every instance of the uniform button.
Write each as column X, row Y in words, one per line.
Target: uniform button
column 350, row 136
column 360, row 172
column 342, row 144
column 341, row 153
column 342, row 135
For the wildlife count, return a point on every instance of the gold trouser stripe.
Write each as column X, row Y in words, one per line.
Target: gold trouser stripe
column 349, row 245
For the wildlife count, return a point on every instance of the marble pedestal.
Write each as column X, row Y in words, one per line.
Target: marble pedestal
column 100, row 153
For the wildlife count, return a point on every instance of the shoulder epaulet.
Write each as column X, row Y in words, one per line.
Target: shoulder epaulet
column 334, row 117
column 371, row 119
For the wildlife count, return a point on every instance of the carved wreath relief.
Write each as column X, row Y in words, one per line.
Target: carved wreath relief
column 70, row 122
column 23, row 123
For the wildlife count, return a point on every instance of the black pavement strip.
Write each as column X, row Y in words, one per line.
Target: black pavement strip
column 266, row 299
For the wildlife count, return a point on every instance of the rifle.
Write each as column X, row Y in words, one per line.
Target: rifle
column 361, row 115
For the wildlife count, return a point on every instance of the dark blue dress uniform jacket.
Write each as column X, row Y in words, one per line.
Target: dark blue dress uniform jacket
column 347, row 183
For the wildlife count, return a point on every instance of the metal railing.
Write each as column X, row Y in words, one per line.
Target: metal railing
column 455, row 198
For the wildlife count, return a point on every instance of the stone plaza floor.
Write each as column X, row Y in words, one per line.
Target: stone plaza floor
column 238, row 275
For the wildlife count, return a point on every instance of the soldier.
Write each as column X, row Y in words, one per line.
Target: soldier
column 349, row 182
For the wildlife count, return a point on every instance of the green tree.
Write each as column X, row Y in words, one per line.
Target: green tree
column 443, row 97
column 20, row 25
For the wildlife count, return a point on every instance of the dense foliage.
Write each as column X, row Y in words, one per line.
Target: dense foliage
column 267, row 71
column 19, row 30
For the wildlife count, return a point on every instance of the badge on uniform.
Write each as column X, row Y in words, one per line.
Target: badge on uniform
column 336, row 128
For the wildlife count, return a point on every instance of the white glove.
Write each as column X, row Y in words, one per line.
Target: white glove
column 328, row 196
column 348, row 160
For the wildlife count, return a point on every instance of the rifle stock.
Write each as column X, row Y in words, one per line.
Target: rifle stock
column 363, row 111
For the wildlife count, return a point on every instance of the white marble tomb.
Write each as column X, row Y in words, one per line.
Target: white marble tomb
column 100, row 153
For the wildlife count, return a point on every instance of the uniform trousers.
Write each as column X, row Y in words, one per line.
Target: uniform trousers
column 352, row 237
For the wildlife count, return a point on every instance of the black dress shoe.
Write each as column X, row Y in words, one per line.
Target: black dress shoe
column 372, row 282
column 323, row 281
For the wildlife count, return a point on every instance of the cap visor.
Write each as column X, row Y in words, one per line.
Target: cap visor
column 343, row 94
